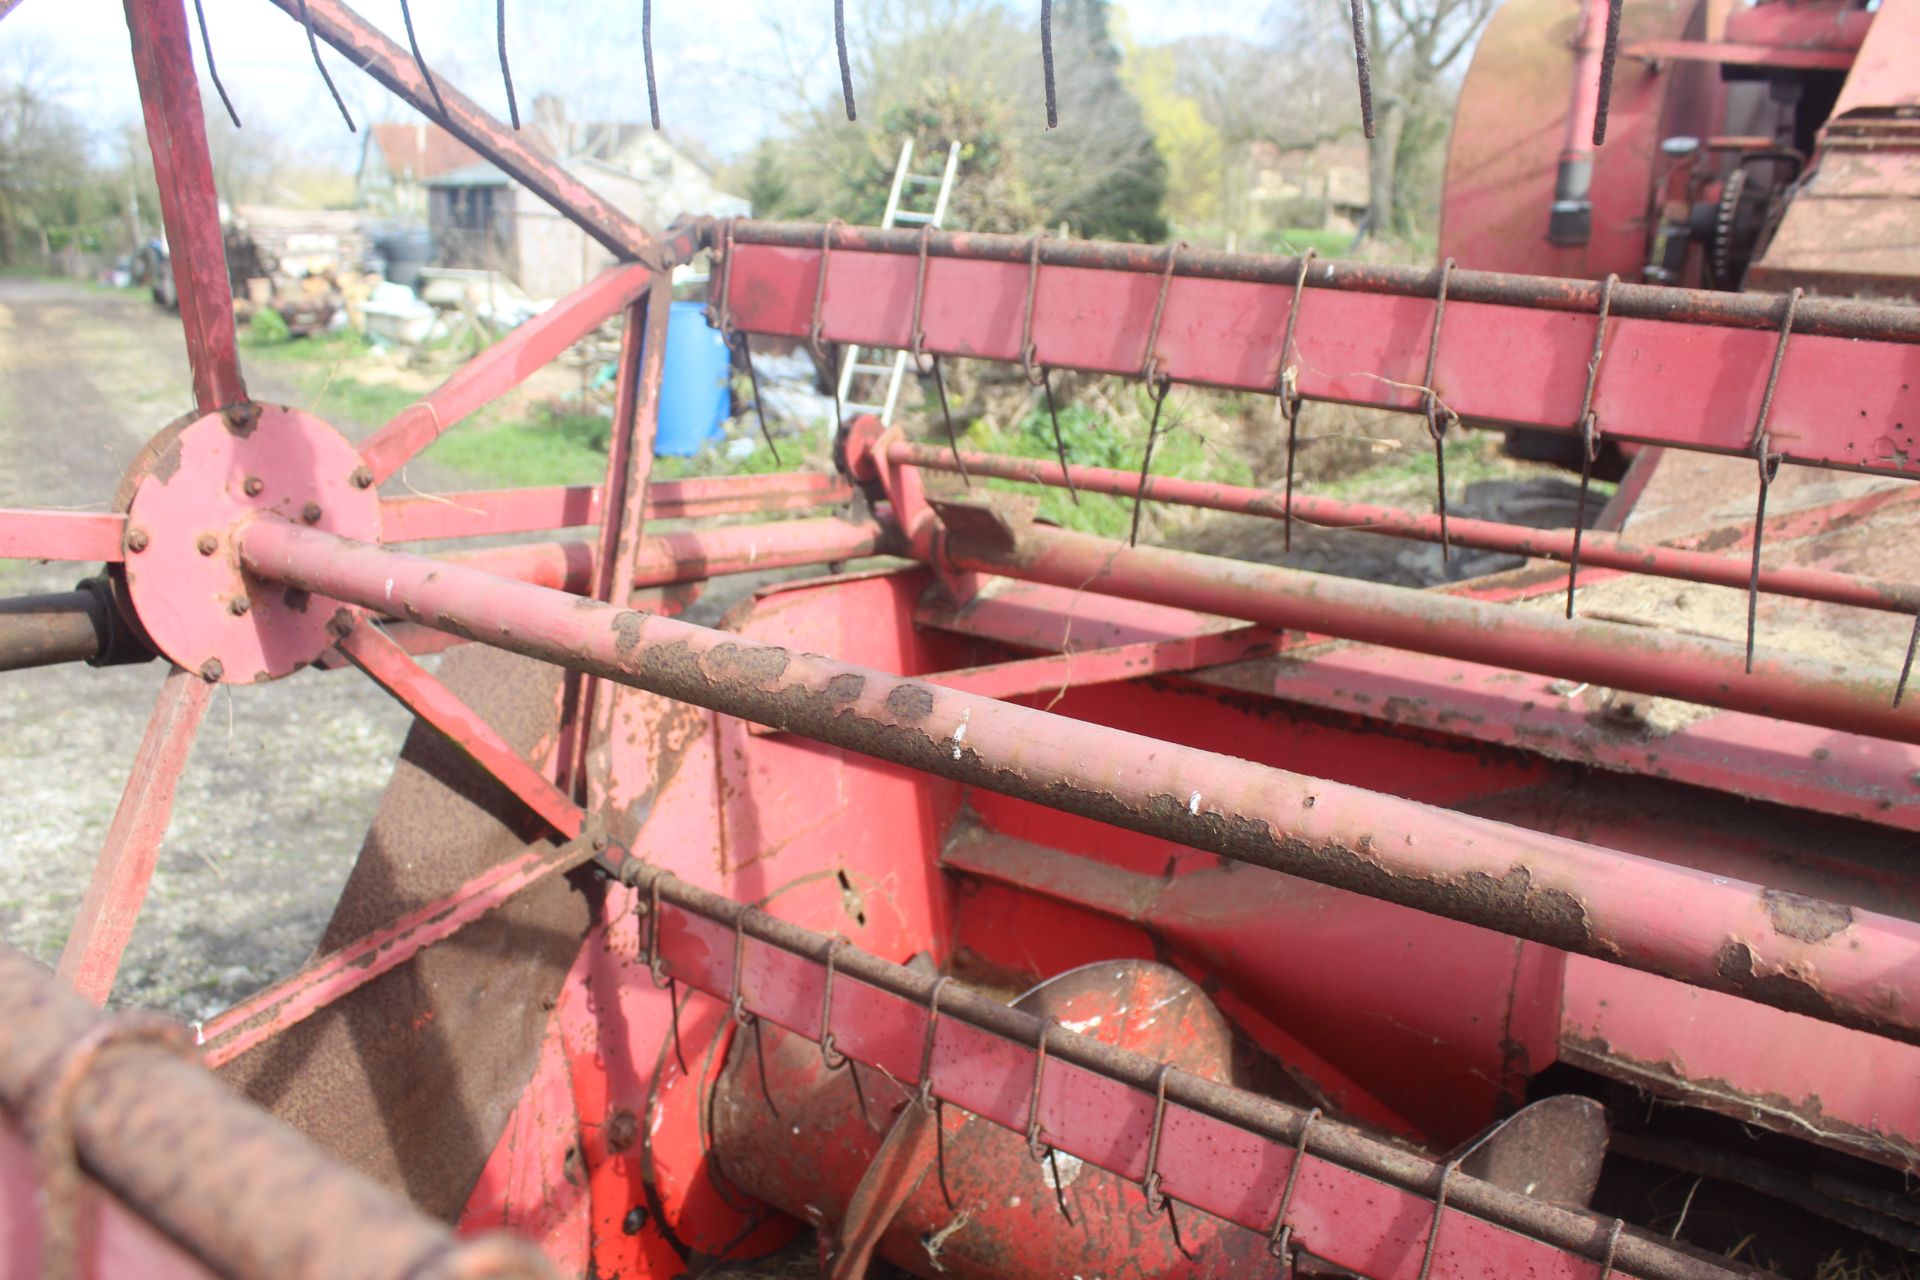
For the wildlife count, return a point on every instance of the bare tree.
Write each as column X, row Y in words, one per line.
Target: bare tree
column 1416, row 47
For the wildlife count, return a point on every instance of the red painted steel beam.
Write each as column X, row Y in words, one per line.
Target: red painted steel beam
column 689, row 555
column 393, row 669
column 636, row 417
column 60, row 535
column 1640, row 659
column 502, row 367
column 499, row 511
column 1597, row 550
column 1735, row 54
column 1681, row 367
column 233, row 1186
column 364, row 45
column 1787, row 764
column 273, row 1011
column 1822, row 959
column 124, row 869
column 189, row 205
column 1076, row 669
column 1357, row 1201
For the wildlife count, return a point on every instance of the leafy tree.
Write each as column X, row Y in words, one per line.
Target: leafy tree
column 1100, row 170
column 1194, row 152
column 936, row 71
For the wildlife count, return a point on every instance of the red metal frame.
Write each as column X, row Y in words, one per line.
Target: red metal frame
column 1596, row 549
column 124, row 869
column 1514, row 350
column 501, row 511
column 189, row 206
column 60, row 535
column 770, row 817
column 502, row 366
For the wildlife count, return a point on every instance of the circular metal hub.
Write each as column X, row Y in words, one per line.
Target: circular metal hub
column 191, row 497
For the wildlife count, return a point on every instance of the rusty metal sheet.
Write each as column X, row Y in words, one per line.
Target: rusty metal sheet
column 410, row 1079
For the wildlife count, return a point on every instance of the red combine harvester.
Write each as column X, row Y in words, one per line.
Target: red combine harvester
column 1413, row 935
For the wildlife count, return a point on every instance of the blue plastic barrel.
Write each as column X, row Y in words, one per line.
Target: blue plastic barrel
column 693, row 392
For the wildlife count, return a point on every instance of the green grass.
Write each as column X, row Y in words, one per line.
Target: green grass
column 554, row 448
column 1093, row 438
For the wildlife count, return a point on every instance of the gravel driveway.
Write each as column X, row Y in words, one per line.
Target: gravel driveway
column 283, row 778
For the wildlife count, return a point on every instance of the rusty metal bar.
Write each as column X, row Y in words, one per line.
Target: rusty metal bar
column 1833, row 317
column 189, row 206
column 39, row 631
column 501, row 367
column 236, row 1188
column 414, row 687
column 131, row 850
column 1597, row 549
column 623, row 521
column 363, row 44
column 996, row 1058
column 328, row 978
column 1641, row 659
column 1821, row 959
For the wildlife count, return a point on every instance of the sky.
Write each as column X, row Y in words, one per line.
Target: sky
column 724, row 66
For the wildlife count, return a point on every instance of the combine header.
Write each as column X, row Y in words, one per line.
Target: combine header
column 1414, row 935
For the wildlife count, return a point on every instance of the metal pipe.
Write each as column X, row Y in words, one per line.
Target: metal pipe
column 1597, row 550
column 38, row 631
column 1821, row 959
column 1833, row 317
column 42, row 630
column 235, row 1187
column 1641, row 659
column 1570, row 218
column 692, row 555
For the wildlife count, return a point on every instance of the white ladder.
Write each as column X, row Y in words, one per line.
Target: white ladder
column 905, row 184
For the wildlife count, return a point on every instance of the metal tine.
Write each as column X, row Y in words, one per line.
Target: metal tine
column 313, row 43
column 1436, row 420
column 506, row 72
column 1280, row 1239
column 816, row 332
column 759, row 409
column 1363, row 64
column 413, row 42
column 1289, row 387
column 1157, row 384
column 1042, row 376
column 657, row 968
column 1609, row 52
column 1906, row 670
column 1157, row 1200
column 846, row 66
column 1769, row 464
column 646, row 56
column 1613, row 1247
column 1589, row 432
column 720, row 315
column 1439, row 1212
column 1046, row 62
column 1158, row 389
column 737, row 1007
column 1036, row 1148
column 213, row 72
column 917, row 343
